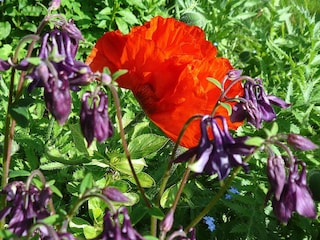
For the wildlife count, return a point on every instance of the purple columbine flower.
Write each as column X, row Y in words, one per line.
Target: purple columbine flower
column 276, row 174
column 256, row 105
column 220, row 154
column 114, row 194
column 24, row 206
column 113, row 229
column 301, row 143
column 58, row 99
column 58, row 50
column 291, row 194
column 94, row 118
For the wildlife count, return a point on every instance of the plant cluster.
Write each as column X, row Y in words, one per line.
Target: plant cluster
column 82, row 161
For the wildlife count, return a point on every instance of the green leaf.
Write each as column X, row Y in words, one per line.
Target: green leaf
column 86, row 183
column 52, row 166
column 78, row 138
column 145, row 179
column 34, row 60
column 138, row 213
column 146, row 144
column 77, row 224
column 21, row 115
column 122, row 25
column 120, row 163
column 150, row 238
column 156, row 212
column 255, row 141
column 128, row 16
column 119, row 73
column 90, row 232
column 19, row 173
column 227, row 107
column 6, row 234
column 245, row 15
column 51, row 219
column 6, row 51
column 5, row 30
column 168, row 196
column 215, row 82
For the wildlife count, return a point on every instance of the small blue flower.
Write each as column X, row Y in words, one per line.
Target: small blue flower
column 227, row 196
column 234, row 190
column 210, row 222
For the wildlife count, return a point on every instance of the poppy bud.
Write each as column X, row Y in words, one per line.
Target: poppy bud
column 94, row 119
column 58, row 99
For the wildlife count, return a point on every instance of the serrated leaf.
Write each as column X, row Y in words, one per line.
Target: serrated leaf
column 18, row 173
column 245, row 15
column 215, row 82
column 254, row 141
column 145, row 179
column 52, row 166
column 146, row 144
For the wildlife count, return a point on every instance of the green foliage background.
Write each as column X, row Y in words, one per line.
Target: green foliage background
column 278, row 41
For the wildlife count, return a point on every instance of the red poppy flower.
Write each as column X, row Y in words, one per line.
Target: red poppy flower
column 168, row 63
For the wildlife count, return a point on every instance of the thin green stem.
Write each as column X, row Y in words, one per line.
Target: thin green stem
column 217, row 197
column 125, row 145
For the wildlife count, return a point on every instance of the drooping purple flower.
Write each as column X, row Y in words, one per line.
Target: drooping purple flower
column 94, row 119
column 114, row 194
column 113, row 229
column 58, row 50
column 295, row 196
column 276, row 174
column 58, row 99
column 4, row 65
column 256, row 105
column 220, row 154
column 300, row 142
column 24, row 206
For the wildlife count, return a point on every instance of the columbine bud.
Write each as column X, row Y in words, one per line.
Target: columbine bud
column 167, row 222
column 114, row 194
column 54, row 4
column 58, row 99
column 300, row 142
column 94, row 119
column 234, row 74
column 4, row 65
column 105, row 78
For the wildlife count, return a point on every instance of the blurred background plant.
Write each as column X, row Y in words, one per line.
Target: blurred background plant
column 278, row 41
